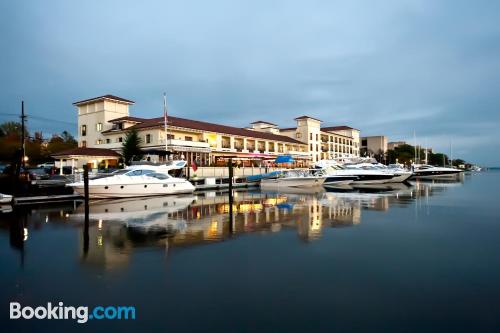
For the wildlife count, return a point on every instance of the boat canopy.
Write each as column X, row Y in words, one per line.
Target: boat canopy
column 284, row 159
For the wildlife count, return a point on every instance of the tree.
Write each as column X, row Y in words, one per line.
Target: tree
column 13, row 129
column 60, row 143
column 68, row 138
column 131, row 149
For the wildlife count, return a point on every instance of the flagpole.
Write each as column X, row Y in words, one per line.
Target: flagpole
column 165, row 120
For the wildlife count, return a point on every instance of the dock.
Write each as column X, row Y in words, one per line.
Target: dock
column 18, row 201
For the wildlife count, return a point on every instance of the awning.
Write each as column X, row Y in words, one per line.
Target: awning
column 284, row 159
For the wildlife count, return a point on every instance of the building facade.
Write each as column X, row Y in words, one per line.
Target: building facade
column 373, row 145
column 104, row 121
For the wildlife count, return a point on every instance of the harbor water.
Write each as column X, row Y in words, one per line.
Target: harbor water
column 423, row 257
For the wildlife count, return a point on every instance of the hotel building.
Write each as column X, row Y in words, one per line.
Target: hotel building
column 104, row 121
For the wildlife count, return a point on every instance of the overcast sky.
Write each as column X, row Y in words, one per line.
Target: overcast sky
column 385, row 67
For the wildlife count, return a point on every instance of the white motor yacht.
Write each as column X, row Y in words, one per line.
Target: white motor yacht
column 424, row 171
column 293, row 178
column 363, row 175
column 137, row 181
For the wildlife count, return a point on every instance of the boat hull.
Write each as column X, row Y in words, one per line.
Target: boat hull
column 293, row 182
column 373, row 179
column 437, row 175
column 134, row 190
column 334, row 181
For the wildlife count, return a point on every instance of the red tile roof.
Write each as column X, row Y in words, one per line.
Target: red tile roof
column 338, row 128
column 84, row 151
column 116, row 98
column 204, row 126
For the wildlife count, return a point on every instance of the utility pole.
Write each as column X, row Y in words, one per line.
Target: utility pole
column 23, row 146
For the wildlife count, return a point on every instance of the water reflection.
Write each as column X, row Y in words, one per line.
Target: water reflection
column 120, row 227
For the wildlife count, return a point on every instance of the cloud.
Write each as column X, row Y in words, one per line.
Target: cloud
column 386, row 68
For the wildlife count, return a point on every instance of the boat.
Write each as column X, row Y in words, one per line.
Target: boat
column 424, row 171
column 366, row 175
column 5, row 198
column 293, row 178
column 139, row 180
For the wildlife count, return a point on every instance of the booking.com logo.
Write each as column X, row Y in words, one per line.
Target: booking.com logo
column 81, row 314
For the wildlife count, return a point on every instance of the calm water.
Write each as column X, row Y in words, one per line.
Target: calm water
column 414, row 259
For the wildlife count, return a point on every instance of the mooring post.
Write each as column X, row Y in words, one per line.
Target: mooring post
column 87, row 210
column 230, row 195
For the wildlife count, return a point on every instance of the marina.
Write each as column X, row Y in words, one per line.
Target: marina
column 366, row 247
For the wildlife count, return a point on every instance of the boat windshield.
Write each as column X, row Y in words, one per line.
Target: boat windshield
column 119, row 172
column 158, row 175
column 139, row 172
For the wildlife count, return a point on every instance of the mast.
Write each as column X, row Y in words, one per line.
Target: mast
column 415, row 147
column 426, row 162
column 165, row 120
column 451, row 154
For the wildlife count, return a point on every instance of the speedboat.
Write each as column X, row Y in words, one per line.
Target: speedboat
column 137, row 181
column 293, row 178
column 425, row 171
column 363, row 175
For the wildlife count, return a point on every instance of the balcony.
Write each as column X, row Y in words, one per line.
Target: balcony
column 184, row 143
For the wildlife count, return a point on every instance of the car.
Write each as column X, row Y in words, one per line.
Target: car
column 47, row 165
column 37, row 174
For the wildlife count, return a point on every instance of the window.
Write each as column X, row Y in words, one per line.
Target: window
column 317, row 137
column 170, row 137
column 310, row 146
column 148, row 138
column 98, row 142
column 120, row 139
column 188, row 138
column 83, row 130
column 98, row 127
column 84, row 143
column 310, row 136
column 108, row 141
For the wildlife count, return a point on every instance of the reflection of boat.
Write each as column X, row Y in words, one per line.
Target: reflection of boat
column 383, row 187
column 293, row 178
column 293, row 190
column 141, row 213
column 5, row 208
column 137, row 181
column 431, row 172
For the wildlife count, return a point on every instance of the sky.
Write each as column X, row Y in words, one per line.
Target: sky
column 391, row 68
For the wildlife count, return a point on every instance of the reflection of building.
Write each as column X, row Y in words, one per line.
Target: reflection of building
column 372, row 145
column 104, row 121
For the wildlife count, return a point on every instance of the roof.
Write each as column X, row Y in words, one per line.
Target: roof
column 112, row 97
column 128, row 118
column 84, row 151
column 204, row 126
column 306, row 117
column 263, row 122
column 288, row 129
column 338, row 128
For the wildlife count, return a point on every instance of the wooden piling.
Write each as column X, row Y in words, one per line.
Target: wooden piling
column 87, row 210
column 230, row 165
